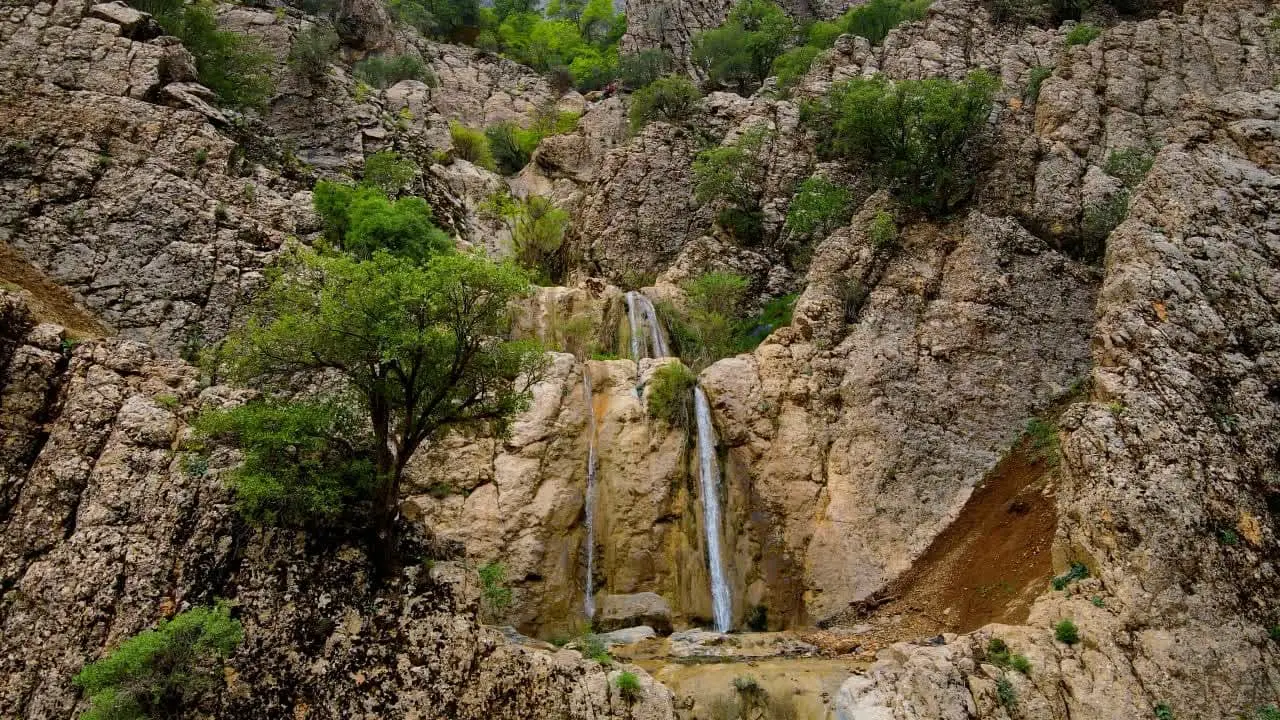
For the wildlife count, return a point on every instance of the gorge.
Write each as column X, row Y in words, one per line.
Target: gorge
column 974, row 417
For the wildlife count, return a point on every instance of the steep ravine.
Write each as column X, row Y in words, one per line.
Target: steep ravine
column 883, row 512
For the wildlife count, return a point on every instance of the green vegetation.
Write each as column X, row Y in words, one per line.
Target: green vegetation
column 758, row 618
column 1083, row 34
column 671, row 395
column 537, row 229
column 471, row 145
column 421, row 343
column 775, row 314
column 382, row 71
column 313, row 49
column 1227, row 536
column 710, row 316
column 1006, row 694
column 593, row 648
column 511, row 145
column 1066, row 632
column 1163, row 711
column 362, row 221
column 389, row 172
column 638, row 70
column 671, row 99
column 1045, row 446
column 1039, row 74
column 168, row 401
column 1098, row 601
column 495, row 596
column 732, row 175
column 818, row 207
column 306, row 463
column 573, row 40
column 1077, row 571
column 1100, row 219
column 872, row 20
column 882, row 231
column 740, row 53
column 162, row 672
column 791, row 65
column 628, row 687
column 1129, row 165
column 999, row 654
column 1270, row 712
column 233, row 66
column 918, row 136
column 439, row 19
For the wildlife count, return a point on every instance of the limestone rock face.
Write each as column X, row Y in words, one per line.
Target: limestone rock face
column 106, row 531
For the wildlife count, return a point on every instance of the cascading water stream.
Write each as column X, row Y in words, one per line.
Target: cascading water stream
column 709, row 475
column 589, row 603
column 642, row 317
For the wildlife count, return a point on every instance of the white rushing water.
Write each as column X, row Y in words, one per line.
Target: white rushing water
column 589, row 603
column 647, row 339
column 709, row 475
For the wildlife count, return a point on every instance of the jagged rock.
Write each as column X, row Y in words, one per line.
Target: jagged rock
column 615, row 612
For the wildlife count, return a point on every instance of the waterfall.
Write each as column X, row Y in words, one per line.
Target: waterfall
column 709, row 475
column 589, row 603
column 642, row 316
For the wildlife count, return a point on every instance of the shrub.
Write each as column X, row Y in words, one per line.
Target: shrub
column 162, row 672
column 758, row 618
column 824, row 33
column 918, row 136
column 818, row 207
column 740, row 53
column 295, row 471
column 313, row 49
column 1039, row 74
column 593, row 648
column 512, row 146
column 1020, row 663
column 628, row 687
column 1083, row 34
column 1021, row 12
column 592, row 69
column 1006, row 694
column 883, row 230
column 791, row 65
column 1129, row 166
column 1099, row 221
column 1098, row 601
column 538, row 237
column 874, row 20
column 388, row 171
column 441, row 19
column 711, row 315
column 1274, row 632
column 487, row 41
column 1270, row 712
column 671, row 395
column 1066, row 632
column 1163, row 711
column 1077, row 571
column 471, row 145
column 998, row 654
column 1044, row 441
column 638, row 70
column 495, row 596
column 362, row 220
column 233, row 66
column 776, row 313
column 382, row 71
column 671, row 98
column 733, row 174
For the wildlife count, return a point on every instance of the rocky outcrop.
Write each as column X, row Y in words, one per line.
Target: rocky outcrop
column 108, row 528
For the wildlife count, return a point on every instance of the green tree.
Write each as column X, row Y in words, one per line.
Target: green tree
column 819, row 206
column 671, row 98
column 537, row 229
column 791, row 65
column 363, row 221
column 233, row 66
column 740, row 53
column 734, row 174
column 389, row 172
column 305, row 463
column 642, row 68
column 162, row 672
column 873, row 20
column 312, row 51
column 599, row 23
column 919, row 136
column 422, row 345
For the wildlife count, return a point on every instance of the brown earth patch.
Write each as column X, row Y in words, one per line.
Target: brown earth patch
column 986, row 567
column 47, row 300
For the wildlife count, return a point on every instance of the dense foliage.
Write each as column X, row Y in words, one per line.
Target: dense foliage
column 671, row 395
column 671, row 98
column 306, row 463
column 818, row 207
column 160, row 673
column 233, row 66
column 740, row 53
column 383, row 71
column 471, row 145
column 362, row 221
column 918, row 136
column 732, row 175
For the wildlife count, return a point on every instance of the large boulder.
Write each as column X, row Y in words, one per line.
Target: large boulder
column 623, row 611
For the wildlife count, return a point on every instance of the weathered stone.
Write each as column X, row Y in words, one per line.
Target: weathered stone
column 615, row 612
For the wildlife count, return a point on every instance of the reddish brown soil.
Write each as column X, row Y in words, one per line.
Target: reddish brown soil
column 47, row 300
column 986, row 567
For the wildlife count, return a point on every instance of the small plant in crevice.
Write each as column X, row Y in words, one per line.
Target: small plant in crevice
column 593, row 648
column 495, row 596
column 1006, row 694
column 1270, row 712
column 1066, row 632
column 1035, row 81
column 1274, row 632
column 471, row 145
column 383, row 71
column 671, row 395
column 1129, row 165
column 1099, row 220
column 313, row 50
column 1083, row 34
column 1163, row 711
column 1098, row 601
column 628, row 687
column 999, row 654
column 1228, row 536
column 1044, row 443
column 883, row 231
column 1078, row 571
